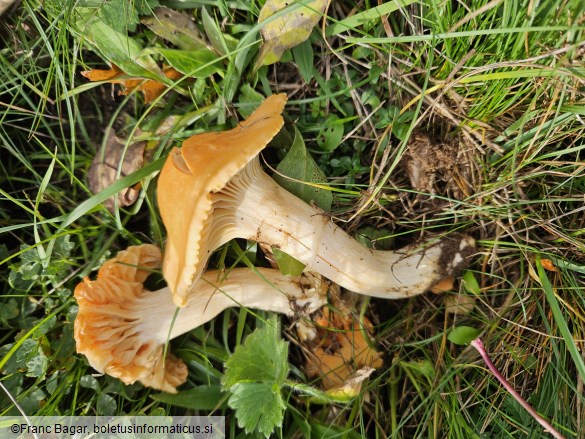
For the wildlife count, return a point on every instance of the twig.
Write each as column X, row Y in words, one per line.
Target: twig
column 477, row 344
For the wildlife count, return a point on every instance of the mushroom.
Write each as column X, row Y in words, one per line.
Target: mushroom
column 122, row 328
column 213, row 189
column 341, row 350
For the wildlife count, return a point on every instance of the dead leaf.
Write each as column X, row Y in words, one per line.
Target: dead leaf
column 287, row 31
column 176, row 27
column 352, row 386
column 150, row 88
column 547, row 264
column 104, row 168
column 459, row 304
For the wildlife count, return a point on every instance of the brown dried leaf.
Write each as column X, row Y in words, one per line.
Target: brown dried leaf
column 104, row 168
column 459, row 304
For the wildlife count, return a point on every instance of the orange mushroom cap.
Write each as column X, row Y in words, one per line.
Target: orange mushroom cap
column 185, row 187
column 107, row 328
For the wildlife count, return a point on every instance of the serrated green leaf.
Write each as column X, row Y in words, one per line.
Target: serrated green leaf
column 52, row 383
column 193, row 63
column 200, row 398
column 44, row 326
column 254, row 376
column 31, row 403
column 262, row 358
column 259, row 406
column 463, row 335
column 288, row 29
column 37, row 365
column 10, row 365
column 123, row 51
column 25, row 352
column 63, row 246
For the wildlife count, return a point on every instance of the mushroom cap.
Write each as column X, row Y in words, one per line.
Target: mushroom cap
column 204, row 165
column 341, row 352
column 107, row 328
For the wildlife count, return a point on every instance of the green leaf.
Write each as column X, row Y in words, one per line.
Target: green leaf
column 222, row 43
column 463, row 335
column 423, row 367
column 89, row 382
column 560, row 319
column 8, row 310
column 470, row 283
column 200, row 398
column 262, row 358
column 26, row 352
column 193, row 63
column 37, row 365
column 122, row 50
column 106, row 405
column 259, row 406
column 331, row 135
column 299, row 165
column 144, row 7
column 291, row 25
column 254, row 376
column 303, row 56
column 250, row 99
column 287, row 264
column 176, row 27
column 120, row 15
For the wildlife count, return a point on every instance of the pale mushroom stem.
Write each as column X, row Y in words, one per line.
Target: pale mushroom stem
column 266, row 289
column 255, row 207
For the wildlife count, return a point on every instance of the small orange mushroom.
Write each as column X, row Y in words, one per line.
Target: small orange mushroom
column 342, row 350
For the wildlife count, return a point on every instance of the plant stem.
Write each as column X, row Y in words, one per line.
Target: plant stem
column 477, row 344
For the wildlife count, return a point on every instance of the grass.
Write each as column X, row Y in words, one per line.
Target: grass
column 502, row 81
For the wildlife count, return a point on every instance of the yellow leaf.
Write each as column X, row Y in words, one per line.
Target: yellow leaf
column 288, row 30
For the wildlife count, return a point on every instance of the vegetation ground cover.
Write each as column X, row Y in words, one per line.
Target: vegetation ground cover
column 424, row 116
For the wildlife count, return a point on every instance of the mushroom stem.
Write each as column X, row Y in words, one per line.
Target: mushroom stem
column 253, row 206
column 266, row 289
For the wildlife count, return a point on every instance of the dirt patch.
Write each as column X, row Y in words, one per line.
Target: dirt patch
column 434, row 167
